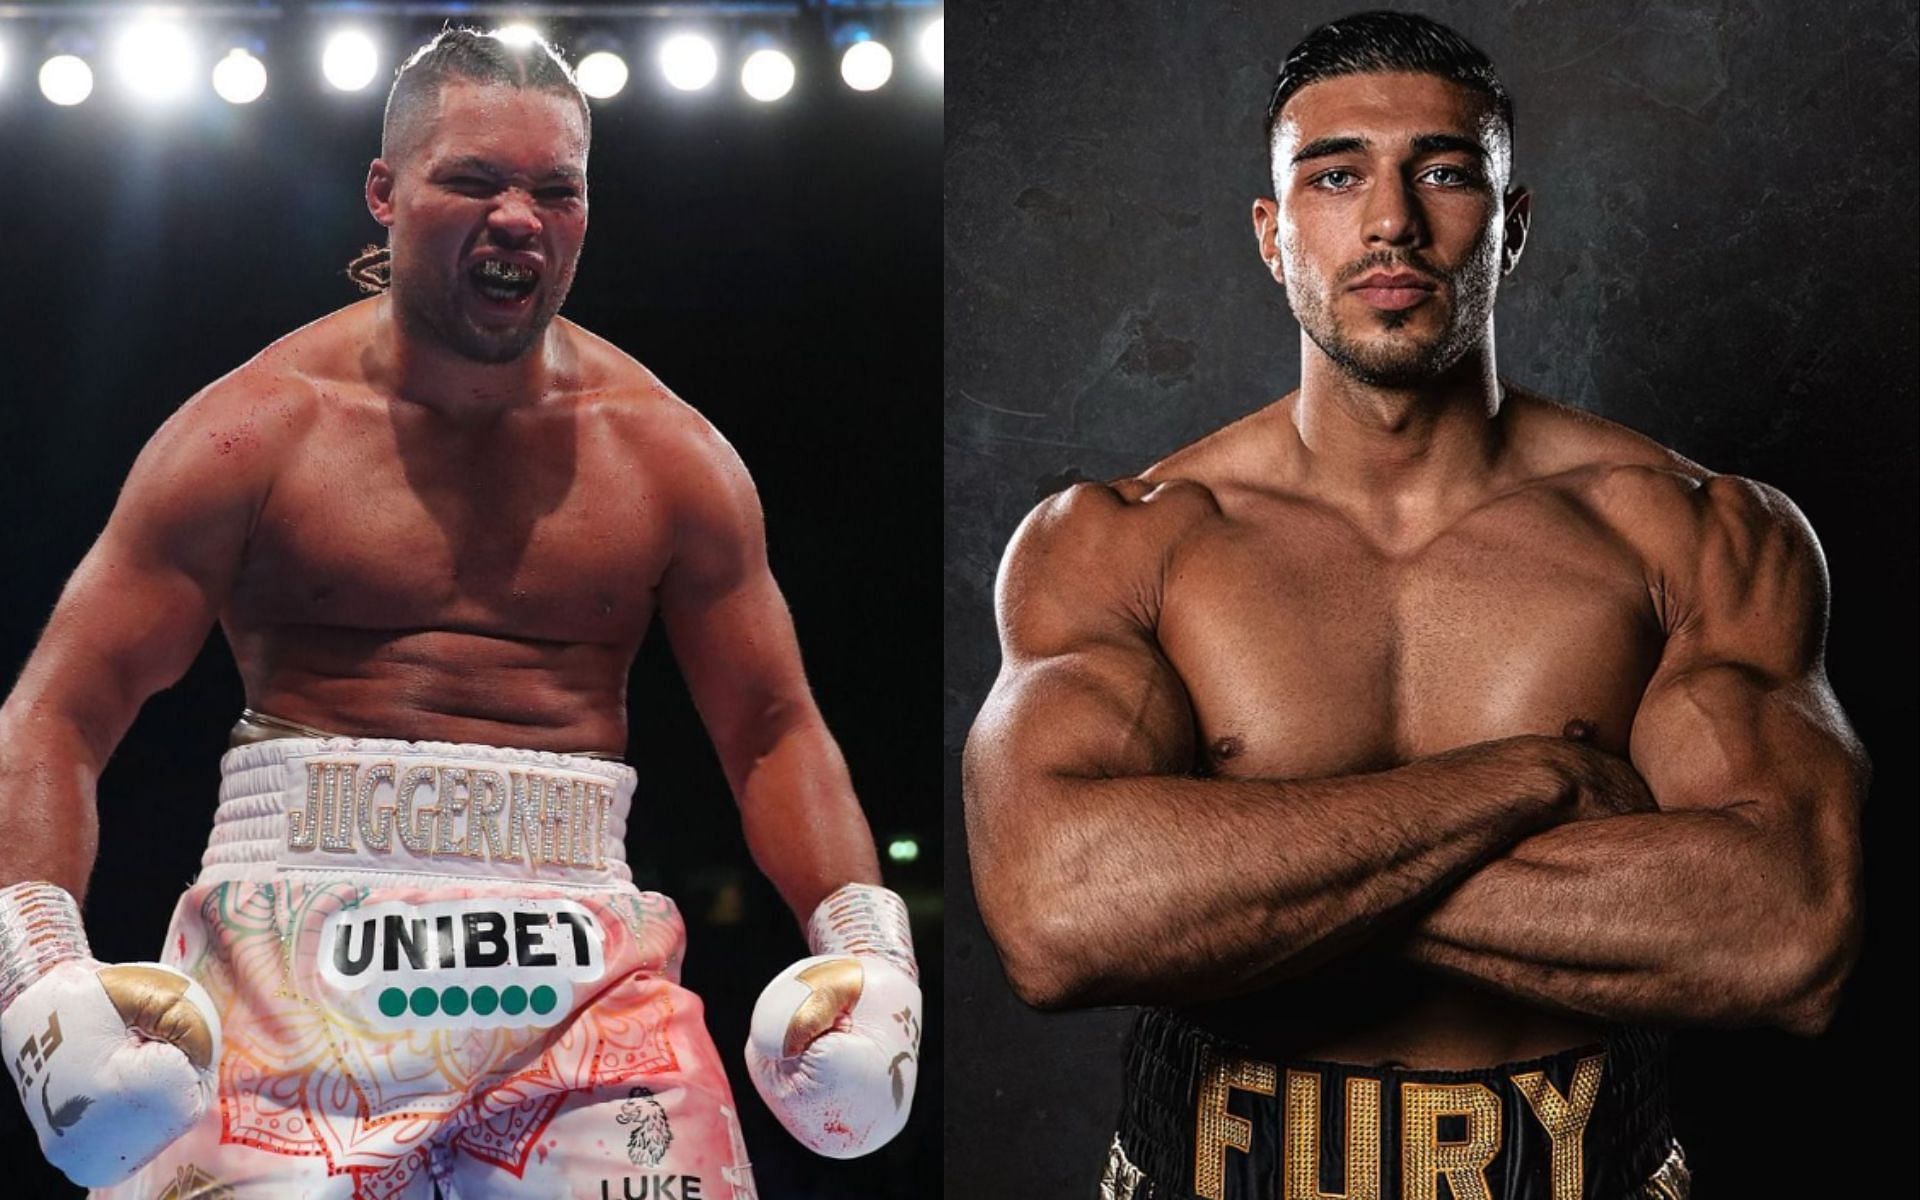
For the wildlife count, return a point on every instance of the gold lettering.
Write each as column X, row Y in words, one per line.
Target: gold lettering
column 450, row 789
column 1302, row 1166
column 336, row 807
column 1565, row 1119
column 485, row 798
column 376, row 824
column 600, row 827
column 1217, row 1130
column 303, row 827
column 1424, row 1157
column 415, row 828
column 523, row 819
column 585, row 796
column 558, row 825
column 550, row 819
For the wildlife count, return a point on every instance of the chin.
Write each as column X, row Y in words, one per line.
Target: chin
column 495, row 345
column 496, row 351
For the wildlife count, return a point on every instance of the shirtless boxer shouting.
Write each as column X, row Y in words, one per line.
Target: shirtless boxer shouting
column 1418, row 745
column 435, row 526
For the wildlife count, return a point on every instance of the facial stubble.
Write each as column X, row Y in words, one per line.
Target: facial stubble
column 1403, row 359
column 441, row 320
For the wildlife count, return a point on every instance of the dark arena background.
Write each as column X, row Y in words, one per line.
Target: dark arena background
column 775, row 262
column 1722, row 256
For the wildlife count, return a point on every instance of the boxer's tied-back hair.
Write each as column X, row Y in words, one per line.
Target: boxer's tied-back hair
column 1387, row 41
column 463, row 55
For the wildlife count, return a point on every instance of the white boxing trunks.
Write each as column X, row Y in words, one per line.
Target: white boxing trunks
column 432, row 967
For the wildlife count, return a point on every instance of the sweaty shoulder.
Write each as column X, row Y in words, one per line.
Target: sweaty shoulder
column 617, row 389
column 681, row 457
column 239, row 429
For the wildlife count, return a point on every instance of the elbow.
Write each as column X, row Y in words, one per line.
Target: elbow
column 1042, row 972
column 1811, row 971
column 1043, row 951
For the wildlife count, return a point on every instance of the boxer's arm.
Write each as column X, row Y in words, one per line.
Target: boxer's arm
column 734, row 641
column 1106, row 872
column 1739, row 901
column 128, row 623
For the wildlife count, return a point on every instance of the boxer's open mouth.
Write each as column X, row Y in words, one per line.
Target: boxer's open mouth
column 503, row 281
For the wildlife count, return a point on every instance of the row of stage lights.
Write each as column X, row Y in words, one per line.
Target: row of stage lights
column 157, row 61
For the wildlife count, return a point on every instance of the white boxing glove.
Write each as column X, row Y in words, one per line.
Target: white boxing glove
column 835, row 1044
column 112, row 1062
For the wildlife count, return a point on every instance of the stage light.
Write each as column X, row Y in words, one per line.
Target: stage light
column 239, row 78
column 903, row 850
column 66, row 79
column 602, row 74
column 689, row 61
column 933, row 45
column 866, row 65
column 350, row 60
column 155, row 60
column 518, row 34
column 767, row 75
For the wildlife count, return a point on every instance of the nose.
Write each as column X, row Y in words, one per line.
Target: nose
column 513, row 217
column 1392, row 215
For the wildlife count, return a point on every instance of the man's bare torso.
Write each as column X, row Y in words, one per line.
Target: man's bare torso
column 408, row 575
column 1315, row 642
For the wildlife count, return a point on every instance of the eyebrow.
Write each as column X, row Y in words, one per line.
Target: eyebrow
column 474, row 162
column 1423, row 143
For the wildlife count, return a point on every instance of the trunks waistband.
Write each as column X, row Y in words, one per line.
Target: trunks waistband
column 1205, row 1118
column 257, row 725
column 357, row 805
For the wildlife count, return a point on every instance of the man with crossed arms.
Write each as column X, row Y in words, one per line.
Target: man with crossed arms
column 1421, row 741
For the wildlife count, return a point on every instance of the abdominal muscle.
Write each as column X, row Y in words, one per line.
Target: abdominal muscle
column 439, row 685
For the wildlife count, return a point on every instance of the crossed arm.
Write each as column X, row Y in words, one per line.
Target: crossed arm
column 1740, row 898
column 734, row 641
column 1107, row 873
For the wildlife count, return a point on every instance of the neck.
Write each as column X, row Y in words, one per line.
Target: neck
column 425, row 372
column 1400, row 451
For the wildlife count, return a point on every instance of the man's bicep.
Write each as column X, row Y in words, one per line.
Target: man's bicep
column 140, row 604
column 1084, row 688
column 738, row 653
column 1739, row 713
column 727, row 622
column 117, row 635
column 1101, row 710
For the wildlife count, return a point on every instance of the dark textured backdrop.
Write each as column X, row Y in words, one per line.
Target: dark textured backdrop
column 777, row 266
column 1722, row 256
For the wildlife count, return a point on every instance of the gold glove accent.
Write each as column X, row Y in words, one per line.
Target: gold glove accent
column 155, row 1003
column 836, row 988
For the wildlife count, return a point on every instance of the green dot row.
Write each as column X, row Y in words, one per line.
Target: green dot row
column 425, row 1001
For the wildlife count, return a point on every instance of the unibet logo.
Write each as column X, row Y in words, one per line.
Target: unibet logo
column 483, row 961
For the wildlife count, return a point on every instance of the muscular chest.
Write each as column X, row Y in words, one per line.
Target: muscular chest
column 550, row 533
column 1308, row 651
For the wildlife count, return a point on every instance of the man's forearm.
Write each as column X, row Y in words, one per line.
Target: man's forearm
column 803, row 824
column 1665, row 916
column 49, row 828
column 1171, row 889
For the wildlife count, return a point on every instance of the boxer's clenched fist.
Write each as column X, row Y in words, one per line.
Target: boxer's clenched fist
column 112, row 1062
column 835, row 1042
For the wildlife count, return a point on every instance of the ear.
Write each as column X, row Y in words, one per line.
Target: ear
column 380, row 191
column 1266, row 228
column 1513, row 233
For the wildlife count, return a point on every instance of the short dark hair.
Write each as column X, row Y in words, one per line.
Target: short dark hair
column 473, row 56
column 461, row 53
column 1386, row 41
